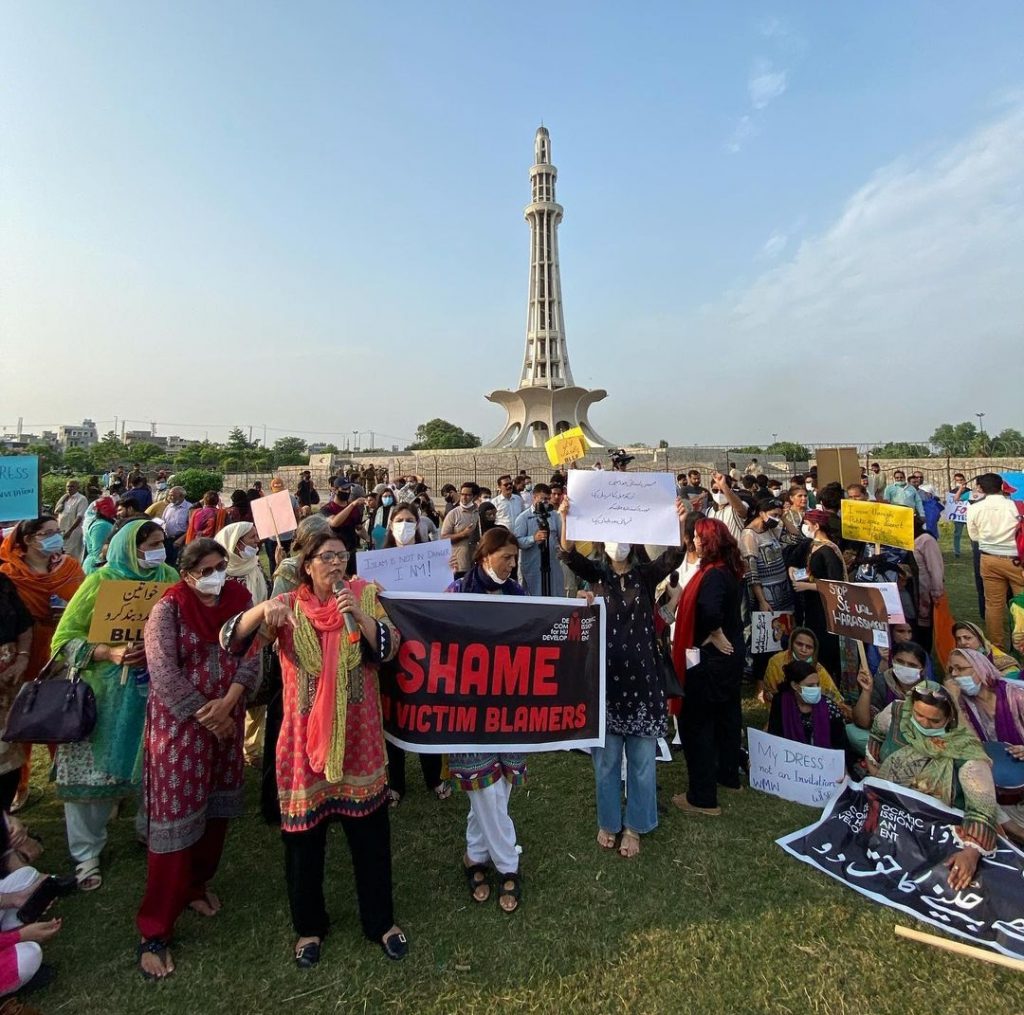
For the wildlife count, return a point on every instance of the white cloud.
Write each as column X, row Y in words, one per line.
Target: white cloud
column 744, row 130
column 774, row 245
column 914, row 288
column 765, row 84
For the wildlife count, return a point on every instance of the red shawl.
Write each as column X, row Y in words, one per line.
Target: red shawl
column 206, row 621
column 686, row 621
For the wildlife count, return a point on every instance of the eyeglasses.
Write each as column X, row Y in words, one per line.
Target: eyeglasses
column 939, row 696
column 330, row 557
column 205, row 572
column 919, row 479
column 960, row 671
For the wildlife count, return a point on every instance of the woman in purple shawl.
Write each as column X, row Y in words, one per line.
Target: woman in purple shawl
column 800, row 712
column 994, row 708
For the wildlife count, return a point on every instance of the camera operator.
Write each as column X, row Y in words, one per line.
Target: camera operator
column 538, row 531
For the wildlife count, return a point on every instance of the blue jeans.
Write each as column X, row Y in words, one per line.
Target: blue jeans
column 641, row 783
column 958, row 531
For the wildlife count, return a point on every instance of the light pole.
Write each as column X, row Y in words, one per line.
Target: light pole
column 355, row 440
column 981, row 424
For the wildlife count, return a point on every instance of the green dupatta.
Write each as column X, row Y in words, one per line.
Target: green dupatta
column 120, row 707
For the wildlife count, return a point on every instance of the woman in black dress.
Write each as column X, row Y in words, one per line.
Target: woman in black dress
column 708, row 648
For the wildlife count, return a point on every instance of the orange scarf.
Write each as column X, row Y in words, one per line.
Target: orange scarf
column 328, row 624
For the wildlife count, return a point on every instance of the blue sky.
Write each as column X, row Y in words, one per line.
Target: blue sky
column 792, row 218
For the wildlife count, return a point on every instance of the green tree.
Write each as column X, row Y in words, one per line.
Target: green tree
column 147, row 452
column 78, row 460
column 110, row 451
column 663, row 443
column 238, row 442
column 954, row 438
column 290, row 451
column 748, row 450
column 899, row 449
column 1008, row 442
column 439, row 433
column 50, row 459
column 980, row 446
column 330, row 449
column 789, row 450
column 197, row 481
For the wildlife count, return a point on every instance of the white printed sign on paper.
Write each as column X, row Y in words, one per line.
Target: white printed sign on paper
column 891, row 596
column 955, row 510
column 422, row 567
column 794, row 771
column 623, row 507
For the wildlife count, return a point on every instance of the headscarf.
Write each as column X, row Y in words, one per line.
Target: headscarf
column 35, row 589
column 1003, row 663
column 245, row 569
column 1009, row 729
column 807, row 633
column 101, row 507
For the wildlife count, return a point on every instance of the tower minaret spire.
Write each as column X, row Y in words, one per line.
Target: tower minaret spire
column 546, row 362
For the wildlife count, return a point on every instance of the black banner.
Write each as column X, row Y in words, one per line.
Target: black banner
column 891, row 844
column 480, row 673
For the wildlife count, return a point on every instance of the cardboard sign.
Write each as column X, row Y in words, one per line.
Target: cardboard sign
column 19, row 487
column 855, row 611
column 568, row 446
column 837, row 465
column 955, row 510
column 793, row 771
column 422, row 567
column 273, row 516
column 623, row 507
column 891, row 595
column 122, row 609
column 870, row 521
column 767, row 631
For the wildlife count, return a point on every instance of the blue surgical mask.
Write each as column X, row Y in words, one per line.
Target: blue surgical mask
column 387, row 501
column 811, row 695
column 968, row 685
column 53, row 543
column 927, row 731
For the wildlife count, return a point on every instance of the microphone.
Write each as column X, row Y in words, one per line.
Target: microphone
column 350, row 622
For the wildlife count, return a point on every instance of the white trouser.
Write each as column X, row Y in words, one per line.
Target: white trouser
column 490, row 834
column 22, row 878
column 87, row 821
column 30, row 957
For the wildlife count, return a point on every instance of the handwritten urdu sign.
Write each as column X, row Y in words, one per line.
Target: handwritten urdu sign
column 422, row 567
column 122, row 609
column 568, row 446
column 623, row 507
column 19, row 487
column 869, row 521
column 855, row 611
column 798, row 772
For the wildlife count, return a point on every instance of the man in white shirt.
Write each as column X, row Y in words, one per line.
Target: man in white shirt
column 70, row 512
column 875, row 482
column 508, row 505
column 175, row 519
column 992, row 524
column 726, row 505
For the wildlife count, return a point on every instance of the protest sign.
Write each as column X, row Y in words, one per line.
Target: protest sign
column 837, row 465
column 891, row 844
column 955, row 510
column 122, row 609
column 798, row 772
column 1016, row 480
column 891, row 597
column 486, row 673
column 767, row 631
column 422, row 567
column 273, row 516
column 855, row 611
column 623, row 507
column 870, row 521
column 568, row 446
column 19, row 487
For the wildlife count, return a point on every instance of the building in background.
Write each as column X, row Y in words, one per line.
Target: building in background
column 83, row 435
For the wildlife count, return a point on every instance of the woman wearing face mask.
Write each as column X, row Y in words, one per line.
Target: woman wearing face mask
column 404, row 531
column 801, row 712
column 488, row 777
column 242, row 543
column 908, row 668
column 995, row 710
column 193, row 742
column 635, row 705
column 824, row 561
column 94, row 774
column 381, row 521
column 32, row 556
column 968, row 635
column 918, row 743
column 803, row 647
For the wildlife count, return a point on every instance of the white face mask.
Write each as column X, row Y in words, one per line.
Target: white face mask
column 404, row 532
column 720, row 498
column 906, row 675
column 807, row 530
column 494, row 576
column 151, row 558
column 248, row 552
column 212, row 584
column 617, row 551
column 968, row 685
column 810, row 486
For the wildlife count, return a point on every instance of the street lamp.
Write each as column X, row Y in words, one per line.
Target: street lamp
column 355, row 440
column 981, row 417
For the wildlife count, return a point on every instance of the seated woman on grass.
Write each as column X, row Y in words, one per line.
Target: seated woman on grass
column 919, row 743
column 801, row 712
column 803, row 647
column 892, row 683
column 968, row 635
column 882, row 659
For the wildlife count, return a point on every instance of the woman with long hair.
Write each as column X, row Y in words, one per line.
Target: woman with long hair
column 708, row 653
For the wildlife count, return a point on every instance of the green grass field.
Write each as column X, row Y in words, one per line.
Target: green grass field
column 712, row 917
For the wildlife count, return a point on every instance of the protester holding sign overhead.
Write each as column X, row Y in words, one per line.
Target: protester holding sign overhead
column 94, row 774
column 636, row 713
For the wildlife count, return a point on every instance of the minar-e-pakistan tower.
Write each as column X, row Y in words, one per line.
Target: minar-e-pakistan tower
column 546, row 401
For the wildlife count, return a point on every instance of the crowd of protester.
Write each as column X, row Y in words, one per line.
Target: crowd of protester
column 245, row 661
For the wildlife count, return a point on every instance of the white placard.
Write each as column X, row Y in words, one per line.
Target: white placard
column 891, row 596
column 623, row 507
column 794, row 771
column 422, row 567
column 955, row 509
column 767, row 631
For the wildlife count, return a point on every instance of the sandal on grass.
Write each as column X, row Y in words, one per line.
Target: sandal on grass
column 476, row 879
column 510, row 886
column 442, row 791
column 158, row 947
column 88, row 875
column 210, row 903
column 629, row 846
column 394, row 798
column 605, row 839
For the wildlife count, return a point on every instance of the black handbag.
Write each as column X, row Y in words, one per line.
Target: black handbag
column 670, row 679
column 58, row 707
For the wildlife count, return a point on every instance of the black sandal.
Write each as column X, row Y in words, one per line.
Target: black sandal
column 476, row 878
column 158, row 946
column 515, row 892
